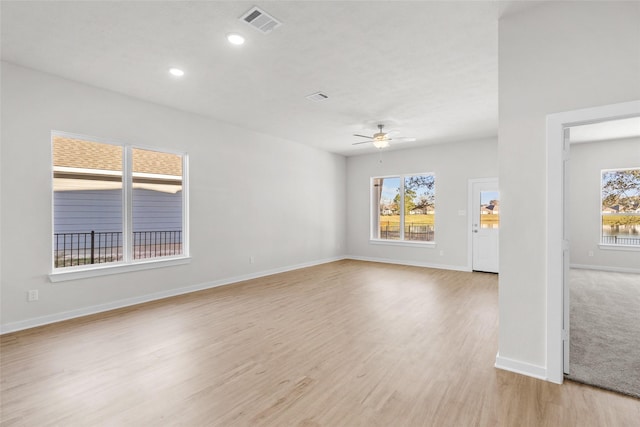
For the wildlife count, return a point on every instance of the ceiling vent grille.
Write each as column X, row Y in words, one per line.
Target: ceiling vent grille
column 318, row 96
column 260, row 20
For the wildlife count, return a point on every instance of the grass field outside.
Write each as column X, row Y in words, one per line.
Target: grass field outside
column 612, row 223
column 416, row 227
column 621, row 219
column 489, row 221
column 429, row 219
column 408, row 219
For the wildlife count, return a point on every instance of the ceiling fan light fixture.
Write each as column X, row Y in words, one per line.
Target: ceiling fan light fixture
column 380, row 139
column 380, row 143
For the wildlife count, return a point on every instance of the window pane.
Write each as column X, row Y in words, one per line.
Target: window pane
column 489, row 209
column 388, row 197
column 419, row 207
column 157, row 204
column 621, row 207
column 87, row 201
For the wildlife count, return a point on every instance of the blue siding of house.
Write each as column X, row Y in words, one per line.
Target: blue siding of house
column 87, row 210
column 101, row 211
column 156, row 211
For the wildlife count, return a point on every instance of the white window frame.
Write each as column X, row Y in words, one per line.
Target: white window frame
column 128, row 263
column 613, row 246
column 375, row 213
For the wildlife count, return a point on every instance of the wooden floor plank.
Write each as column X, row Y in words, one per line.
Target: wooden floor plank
column 348, row 343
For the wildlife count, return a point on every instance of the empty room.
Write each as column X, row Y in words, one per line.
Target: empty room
column 314, row 213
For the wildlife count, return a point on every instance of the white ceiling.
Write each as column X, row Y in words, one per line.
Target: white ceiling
column 427, row 70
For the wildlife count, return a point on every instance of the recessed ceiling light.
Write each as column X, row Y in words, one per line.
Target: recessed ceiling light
column 235, row 38
column 176, row 72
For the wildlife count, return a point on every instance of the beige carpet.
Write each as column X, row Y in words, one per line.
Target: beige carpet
column 605, row 330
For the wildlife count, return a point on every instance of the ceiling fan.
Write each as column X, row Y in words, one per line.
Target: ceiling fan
column 381, row 139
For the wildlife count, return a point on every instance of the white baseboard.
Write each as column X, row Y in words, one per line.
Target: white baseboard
column 410, row 263
column 522, row 368
column 99, row 308
column 606, row 268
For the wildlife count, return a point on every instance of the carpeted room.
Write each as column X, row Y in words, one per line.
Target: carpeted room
column 604, row 279
column 605, row 336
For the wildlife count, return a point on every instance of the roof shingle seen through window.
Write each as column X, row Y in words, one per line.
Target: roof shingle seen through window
column 145, row 161
column 77, row 153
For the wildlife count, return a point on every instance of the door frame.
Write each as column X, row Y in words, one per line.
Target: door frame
column 470, row 184
column 557, row 152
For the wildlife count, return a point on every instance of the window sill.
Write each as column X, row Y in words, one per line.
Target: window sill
column 402, row 243
column 618, row 247
column 82, row 272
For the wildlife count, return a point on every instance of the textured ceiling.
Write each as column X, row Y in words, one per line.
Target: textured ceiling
column 428, row 70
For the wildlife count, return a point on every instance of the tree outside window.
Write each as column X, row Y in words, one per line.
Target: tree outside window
column 620, row 212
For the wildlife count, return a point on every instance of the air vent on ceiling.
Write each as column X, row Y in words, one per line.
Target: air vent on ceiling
column 260, row 20
column 318, row 96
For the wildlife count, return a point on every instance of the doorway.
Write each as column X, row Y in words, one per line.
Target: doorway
column 557, row 237
column 484, row 201
column 602, row 228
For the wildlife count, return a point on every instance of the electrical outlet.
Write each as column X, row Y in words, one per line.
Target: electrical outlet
column 32, row 295
column 590, row 253
column 441, row 253
column 251, row 259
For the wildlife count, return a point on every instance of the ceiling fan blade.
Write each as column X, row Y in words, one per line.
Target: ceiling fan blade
column 402, row 139
column 363, row 136
column 363, row 142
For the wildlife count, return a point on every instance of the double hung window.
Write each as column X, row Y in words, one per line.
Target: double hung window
column 620, row 207
column 116, row 204
column 403, row 208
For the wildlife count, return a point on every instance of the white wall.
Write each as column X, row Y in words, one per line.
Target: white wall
column 555, row 57
column 250, row 195
column 453, row 165
column 587, row 162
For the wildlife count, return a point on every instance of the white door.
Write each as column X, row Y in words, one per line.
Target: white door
column 485, row 224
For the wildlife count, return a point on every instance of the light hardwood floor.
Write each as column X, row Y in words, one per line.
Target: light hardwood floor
column 343, row 344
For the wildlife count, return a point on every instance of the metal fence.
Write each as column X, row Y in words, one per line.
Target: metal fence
column 97, row 247
column 415, row 231
column 619, row 240
column 151, row 244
